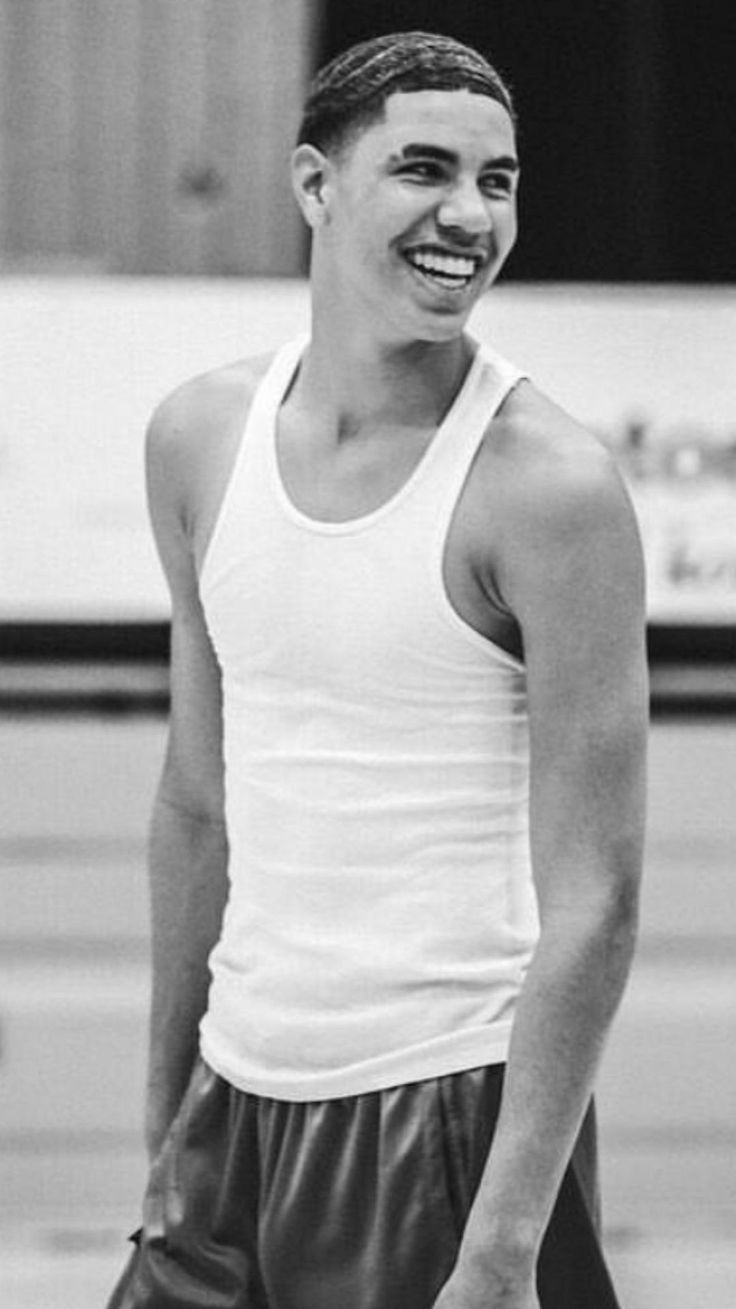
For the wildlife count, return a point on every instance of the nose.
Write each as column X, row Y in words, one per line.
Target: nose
column 465, row 211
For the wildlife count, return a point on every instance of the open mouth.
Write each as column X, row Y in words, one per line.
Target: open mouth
column 453, row 272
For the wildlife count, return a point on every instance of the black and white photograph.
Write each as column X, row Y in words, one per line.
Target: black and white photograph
column 367, row 655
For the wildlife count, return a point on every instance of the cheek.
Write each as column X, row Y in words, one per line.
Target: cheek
column 509, row 222
column 370, row 243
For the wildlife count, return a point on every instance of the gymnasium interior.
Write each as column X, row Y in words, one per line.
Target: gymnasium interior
column 147, row 233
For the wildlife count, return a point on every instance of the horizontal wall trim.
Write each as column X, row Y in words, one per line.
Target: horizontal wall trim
column 104, row 642
column 149, row 642
column 114, row 668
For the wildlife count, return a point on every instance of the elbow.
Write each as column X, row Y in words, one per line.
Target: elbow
column 192, row 811
column 619, row 921
column 594, row 943
column 602, row 915
column 621, row 900
column 190, row 795
column 607, row 922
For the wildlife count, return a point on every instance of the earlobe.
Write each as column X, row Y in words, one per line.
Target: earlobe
column 309, row 169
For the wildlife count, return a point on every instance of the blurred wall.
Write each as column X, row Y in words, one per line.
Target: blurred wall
column 87, row 359
column 151, row 136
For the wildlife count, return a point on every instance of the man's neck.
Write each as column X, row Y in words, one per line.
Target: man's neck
column 356, row 381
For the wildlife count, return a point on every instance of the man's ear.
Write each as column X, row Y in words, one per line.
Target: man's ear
column 310, row 171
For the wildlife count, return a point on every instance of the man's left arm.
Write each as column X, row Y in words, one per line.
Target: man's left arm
column 575, row 584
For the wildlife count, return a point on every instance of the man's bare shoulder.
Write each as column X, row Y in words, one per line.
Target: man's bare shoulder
column 199, row 409
column 557, row 516
column 553, row 473
column 192, row 441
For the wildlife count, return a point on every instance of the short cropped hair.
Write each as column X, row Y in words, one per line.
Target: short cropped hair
column 349, row 93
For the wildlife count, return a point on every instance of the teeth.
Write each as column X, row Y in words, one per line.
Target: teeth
column 428, row 261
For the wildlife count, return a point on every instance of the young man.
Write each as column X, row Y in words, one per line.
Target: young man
column 406, row 759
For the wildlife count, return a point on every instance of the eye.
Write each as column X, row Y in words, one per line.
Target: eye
column 497, row 183
column 422, row 170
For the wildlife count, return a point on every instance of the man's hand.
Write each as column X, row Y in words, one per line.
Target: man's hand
column 476, row 1289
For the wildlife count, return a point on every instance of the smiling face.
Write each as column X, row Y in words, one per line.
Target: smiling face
column 414, row 218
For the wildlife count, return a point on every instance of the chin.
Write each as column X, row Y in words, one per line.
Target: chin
column 439, row 327
column 435, row 324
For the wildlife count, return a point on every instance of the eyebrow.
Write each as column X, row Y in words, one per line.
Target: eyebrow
column 416, row 149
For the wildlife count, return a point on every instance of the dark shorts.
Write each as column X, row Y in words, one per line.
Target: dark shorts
column 355, row 1203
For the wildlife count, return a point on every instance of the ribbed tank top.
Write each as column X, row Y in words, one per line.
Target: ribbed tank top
column 381, row 913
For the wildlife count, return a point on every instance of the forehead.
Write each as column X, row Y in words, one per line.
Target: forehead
column 454, row 120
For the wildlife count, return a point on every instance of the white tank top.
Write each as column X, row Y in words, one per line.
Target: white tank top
column 381, row 913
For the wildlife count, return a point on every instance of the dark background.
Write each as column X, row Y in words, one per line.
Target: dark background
column 627, row 121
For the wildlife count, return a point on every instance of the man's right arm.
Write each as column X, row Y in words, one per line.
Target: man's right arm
column 188, row 845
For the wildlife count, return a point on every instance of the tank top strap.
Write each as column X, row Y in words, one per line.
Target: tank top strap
column 491, row 380
column 275, row 381
column 253, row 446
column 267, row 398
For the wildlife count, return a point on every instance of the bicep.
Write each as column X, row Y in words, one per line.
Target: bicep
column 580, row 601
column 193, row 772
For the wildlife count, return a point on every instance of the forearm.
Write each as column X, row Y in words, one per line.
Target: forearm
column 570, row 995
column 188, row 887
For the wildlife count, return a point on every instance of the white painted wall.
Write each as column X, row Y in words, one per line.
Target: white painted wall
column 84, row 361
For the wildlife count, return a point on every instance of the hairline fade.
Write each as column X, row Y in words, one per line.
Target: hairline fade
column 349, row 93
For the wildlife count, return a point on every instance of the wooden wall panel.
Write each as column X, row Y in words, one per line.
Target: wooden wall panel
column 237, row 117
column 117, row 130
column 162, row 39
column 5, row 126
column 38, row 121
column 186, row 109
column 92, row 146
column 152, row 135
column 258, row 67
